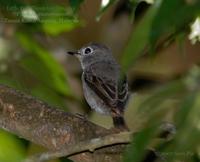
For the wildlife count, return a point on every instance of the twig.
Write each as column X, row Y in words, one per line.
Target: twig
column 90, row 145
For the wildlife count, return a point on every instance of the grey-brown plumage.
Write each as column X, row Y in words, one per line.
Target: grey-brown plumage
column 105, row 87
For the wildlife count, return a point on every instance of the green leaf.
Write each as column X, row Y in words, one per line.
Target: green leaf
column 53, row 19
column 11, row 150
column 43, row 66
column 151, row 104
column 7, row 80
column 11, row 4
column 164, row 18
column 172, row 16
column 186, row 141
column 138, row 147
column 48, row 95
column 58, row 26
column 139, row 39
column 104, row 7
column 75, row 4
column 58, row 22
column 39, row 90
column 185, row 108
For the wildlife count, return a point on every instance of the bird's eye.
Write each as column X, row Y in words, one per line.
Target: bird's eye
column 88, row 50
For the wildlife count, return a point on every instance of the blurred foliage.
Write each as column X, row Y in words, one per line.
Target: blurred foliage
column 186, row 119
column 27, row 64
column 75, row 4
column 136, row 151
column 165, row 19
column 43, row 66
column 11, row 150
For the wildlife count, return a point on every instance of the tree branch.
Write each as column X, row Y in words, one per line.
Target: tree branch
column 52, row 128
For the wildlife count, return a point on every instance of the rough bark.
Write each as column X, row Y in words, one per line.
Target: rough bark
column 52, row 128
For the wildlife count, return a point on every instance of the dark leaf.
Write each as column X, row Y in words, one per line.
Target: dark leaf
column 139, row 39
column 172, row 16
column 138, row 147
column 165, row 19
column 75, row 4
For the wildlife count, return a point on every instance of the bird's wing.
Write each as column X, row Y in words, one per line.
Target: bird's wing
column 114, row 94
column 123, row 92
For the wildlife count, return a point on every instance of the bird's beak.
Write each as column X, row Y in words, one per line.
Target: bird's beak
column 73, row 52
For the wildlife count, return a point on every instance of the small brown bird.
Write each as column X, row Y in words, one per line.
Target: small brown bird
column 105, row 87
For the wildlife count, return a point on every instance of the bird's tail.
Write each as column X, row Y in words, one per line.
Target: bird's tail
column 119, row 122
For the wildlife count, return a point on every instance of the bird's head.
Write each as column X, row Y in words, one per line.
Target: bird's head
column 91, row 53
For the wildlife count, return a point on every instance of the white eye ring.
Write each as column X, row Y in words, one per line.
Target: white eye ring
column 88, row 50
